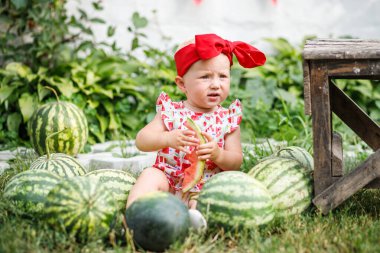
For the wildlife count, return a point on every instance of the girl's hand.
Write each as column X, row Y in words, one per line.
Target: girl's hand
column 209, row 150
column 180, row 139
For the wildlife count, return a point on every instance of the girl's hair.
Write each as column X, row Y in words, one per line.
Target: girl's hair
column 185, row 43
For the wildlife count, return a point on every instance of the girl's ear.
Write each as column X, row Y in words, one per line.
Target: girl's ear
column 180, row 83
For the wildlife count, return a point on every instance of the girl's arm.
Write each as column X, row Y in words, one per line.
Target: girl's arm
column 229, row 158
column 154, row 136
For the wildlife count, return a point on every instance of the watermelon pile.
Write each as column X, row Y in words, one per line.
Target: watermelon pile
column 277, row 187
column 57, row 188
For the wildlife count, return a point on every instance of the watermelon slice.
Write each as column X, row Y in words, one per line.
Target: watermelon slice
column 194, row 173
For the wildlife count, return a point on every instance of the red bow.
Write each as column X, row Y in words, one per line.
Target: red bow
column 208, row 46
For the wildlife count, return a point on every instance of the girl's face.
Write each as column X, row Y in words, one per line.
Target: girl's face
column 206, row 83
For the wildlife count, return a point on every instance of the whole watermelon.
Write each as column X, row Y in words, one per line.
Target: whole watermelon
column 233, row 199
column 289, row 183
column 297, row 153
column 30, row 189
column 157, row 220
column 53, row 117
column 118, row 182
column 82, row 206
column 61, row 164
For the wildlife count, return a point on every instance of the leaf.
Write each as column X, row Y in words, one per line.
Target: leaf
column 135, row 43
column 28, row 104
column 93, row 103
column 111, row 31
column 131, row 121
column 286, row 96
column 18, row 68
column 94, row 129
column 103, row 122
column 261, row 93
column 364, row 87
column 91, row 78
column 14, row 121
column 19, row 4
column 97, row 20
column 42, row 92
column 100, row 90
column 5, row 92
column 113, row 123
column 65, row 86
column 138, row 21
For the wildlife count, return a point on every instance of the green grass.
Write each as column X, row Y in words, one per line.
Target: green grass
column 352, row 227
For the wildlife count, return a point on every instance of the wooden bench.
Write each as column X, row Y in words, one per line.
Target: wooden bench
column 323, row 61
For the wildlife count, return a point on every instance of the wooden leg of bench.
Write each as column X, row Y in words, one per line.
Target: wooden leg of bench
column 346, row 186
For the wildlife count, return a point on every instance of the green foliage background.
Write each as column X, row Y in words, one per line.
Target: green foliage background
column 40, row 44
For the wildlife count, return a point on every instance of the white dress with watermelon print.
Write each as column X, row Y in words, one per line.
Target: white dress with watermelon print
column 217, row 124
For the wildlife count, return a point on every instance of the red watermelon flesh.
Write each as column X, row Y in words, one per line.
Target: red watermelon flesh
column 194, row 173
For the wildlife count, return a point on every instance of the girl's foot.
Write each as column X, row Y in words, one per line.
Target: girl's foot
column 197, row 221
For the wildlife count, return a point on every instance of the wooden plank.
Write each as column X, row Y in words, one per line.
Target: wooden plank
column 354, row 117
column 337, row 155
column 375, row 184
column 306, row 87
column 341, row 49
column 364, row 69
column 346, row 186
column 321, row 120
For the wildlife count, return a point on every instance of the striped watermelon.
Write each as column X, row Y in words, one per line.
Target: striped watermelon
column 118, row 182
column 61, row 164
column 289, row 183
column 53, row 117
column 157, row 220
column 30, row 188
column 82, row 206
column 233, row 199
column 297, row 153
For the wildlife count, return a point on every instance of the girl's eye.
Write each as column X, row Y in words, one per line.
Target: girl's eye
column 204, row 77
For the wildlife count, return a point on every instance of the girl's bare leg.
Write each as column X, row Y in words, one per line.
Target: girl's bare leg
column 150, row 180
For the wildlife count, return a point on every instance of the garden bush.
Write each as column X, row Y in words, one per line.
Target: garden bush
column 42, row 45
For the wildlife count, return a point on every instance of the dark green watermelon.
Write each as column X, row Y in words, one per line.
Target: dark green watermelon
column 157, row 220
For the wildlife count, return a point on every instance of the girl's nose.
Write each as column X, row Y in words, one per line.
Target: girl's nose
column 215, row 83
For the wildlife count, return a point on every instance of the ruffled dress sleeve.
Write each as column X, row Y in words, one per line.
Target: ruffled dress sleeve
column 235, row 116
column 165, row 107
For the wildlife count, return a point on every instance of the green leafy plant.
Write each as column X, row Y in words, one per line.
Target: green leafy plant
column 116, row 90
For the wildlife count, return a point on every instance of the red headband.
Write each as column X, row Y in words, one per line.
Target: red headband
column 208, row 46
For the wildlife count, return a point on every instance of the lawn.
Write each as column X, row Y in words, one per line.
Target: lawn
column 353, row 227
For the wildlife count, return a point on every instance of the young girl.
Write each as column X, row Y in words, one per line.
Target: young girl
column 203, row 68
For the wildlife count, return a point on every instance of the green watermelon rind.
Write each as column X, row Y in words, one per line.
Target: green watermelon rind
column 54, row 117
column 289, row 183
column 30, row 189
column 297, row 153
column 233, row 199
column 82, row 207
column 118, row 182
column 156, row 220
column 61, row 164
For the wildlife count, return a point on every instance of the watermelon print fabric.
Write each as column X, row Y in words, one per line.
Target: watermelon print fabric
column 218, row 123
